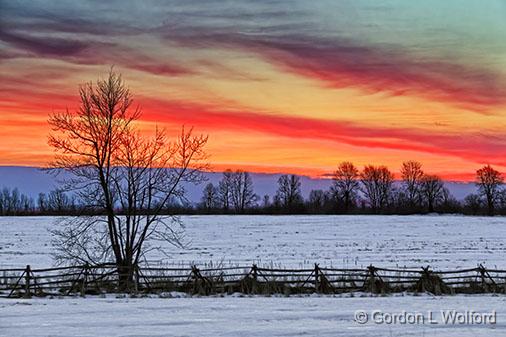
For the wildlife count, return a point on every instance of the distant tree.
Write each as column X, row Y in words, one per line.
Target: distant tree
column 412, row 174
column 15, row 200
column 225, row 189
column 210, row 197
column 288, row 193
column 489, row 182
column 42, row 202
column 346, row 184
column 3, row 202
column 472, row 203
column 317, row 200
column 449, row 204
column 376, row 186
column 266, row 201
column 58, row 201
column 128, row 178
column 433, row 191
column 243, row 196
column 26, row 204
column 12, row 202
column 5, row 196
column 501, row 200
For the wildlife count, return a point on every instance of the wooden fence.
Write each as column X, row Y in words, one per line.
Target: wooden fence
column 98, row 279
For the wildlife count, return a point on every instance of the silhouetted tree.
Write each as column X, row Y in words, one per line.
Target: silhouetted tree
column 210, row 197
column 12, row 202
column 26, row 204
column 433, row 191
column 317, row 200
column 225, row 190
column 346, row 184
column 266, row 201
column 242, row 193
column 58, row 201
column 15, row 204
column 377, row 186
column 42, row 202
column 115, row 170
column 288, row 194
column 501, row 200
column 449, row 204
column 472, row 203
column 489, row 181
column 412, row 174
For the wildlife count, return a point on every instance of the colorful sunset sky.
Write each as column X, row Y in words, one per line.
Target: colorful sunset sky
column 279, row 86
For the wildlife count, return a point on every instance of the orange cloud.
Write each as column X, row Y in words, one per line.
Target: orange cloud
column 478, row 148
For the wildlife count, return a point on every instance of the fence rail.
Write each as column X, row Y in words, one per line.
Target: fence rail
column 104, row 278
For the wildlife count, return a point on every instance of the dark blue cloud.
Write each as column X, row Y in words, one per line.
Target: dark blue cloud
column 287, row 34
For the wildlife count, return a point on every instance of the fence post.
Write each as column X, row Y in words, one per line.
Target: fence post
column 316, row 278
column 371, row 270
column 197, row 286
column 484, row 275
column 28, row 273
column 255, row 277
column 425, row 278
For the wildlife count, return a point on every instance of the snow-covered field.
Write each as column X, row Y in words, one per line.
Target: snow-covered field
column 344, row 241
column 244, row 316
column 440, row 241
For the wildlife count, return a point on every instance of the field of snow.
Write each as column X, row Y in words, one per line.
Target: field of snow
column 340, row 241
column 348, row 241
column 245, row 316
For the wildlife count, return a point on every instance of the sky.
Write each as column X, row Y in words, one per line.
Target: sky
column 279, row 86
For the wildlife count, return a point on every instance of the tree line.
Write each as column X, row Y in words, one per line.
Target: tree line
column 56, row 202
column 372, row 190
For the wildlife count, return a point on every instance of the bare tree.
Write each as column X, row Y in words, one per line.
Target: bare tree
column 412, row 174
column 489, row 181
column 317, row 200
column 5, row 202
column 288, row 194
column 42, row 202
column 225, row 190
column 501, row 200
column 266, row 201
column 377, row 186
column 118, row 172
column 346, row 183
column 58, row 201
column 15, row 202
column 242, row 192
column 210, row 199
column 12, row 202
column 472, row 203
column 433, row 191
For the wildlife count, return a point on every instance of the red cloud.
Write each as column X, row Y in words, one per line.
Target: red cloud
column 477, row 148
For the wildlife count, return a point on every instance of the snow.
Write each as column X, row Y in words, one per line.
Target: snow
column 444, row 242
column 241, row 316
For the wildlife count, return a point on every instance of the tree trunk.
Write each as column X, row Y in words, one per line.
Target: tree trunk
column 490, row 207
column 346, row 202
column 431, row 206
column 125, row 276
